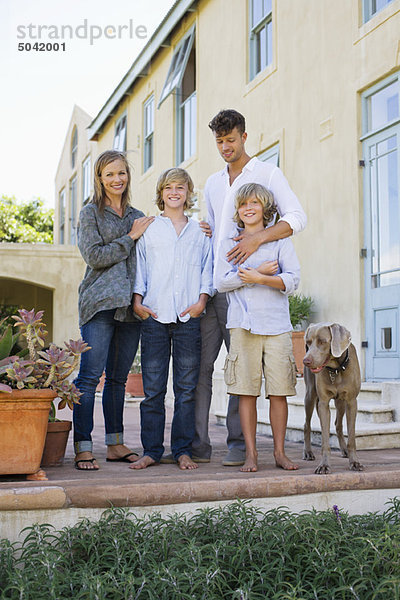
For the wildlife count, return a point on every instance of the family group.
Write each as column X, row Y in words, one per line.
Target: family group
column 183, row 288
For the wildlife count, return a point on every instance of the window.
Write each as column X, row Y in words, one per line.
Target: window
column 120, row 135
column 381, row 182
column 381, row 148
column 74, row 147
column 186, row 111
column 186, row 105
column 371, row 7
column 148, row 119
column 177, row 66
column 61, row 206
column 382, row 107
column 86, row 180
column 271, row 155
column 260, row 35
column 72, row 218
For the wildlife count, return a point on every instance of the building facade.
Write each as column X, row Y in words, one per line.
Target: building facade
column 318, row 83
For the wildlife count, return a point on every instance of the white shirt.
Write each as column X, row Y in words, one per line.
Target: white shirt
column 172, row 271
column 220, row 198
column 261, row 309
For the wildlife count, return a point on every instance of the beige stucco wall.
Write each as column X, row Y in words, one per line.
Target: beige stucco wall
column 53, row 273
column 308, row 100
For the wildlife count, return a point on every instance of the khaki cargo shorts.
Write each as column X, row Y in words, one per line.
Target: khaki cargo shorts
column 250, row 355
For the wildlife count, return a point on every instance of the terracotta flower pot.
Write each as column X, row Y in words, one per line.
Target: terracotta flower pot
column 299, row 350
column 56, row 443
column 23, row 424
column 133, row 386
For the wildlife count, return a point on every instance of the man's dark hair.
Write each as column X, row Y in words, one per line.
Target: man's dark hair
column 226, row 120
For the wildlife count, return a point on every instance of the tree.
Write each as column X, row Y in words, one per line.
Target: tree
column 27, row 222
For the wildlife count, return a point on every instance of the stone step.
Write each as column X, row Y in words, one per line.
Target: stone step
column 378, row 419
column 368, row 412
column 370, row 392
column 385, row 435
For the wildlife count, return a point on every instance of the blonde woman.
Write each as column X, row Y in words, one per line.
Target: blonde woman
column 107, row 233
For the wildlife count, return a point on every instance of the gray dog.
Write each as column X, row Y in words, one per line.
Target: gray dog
column 332, row 371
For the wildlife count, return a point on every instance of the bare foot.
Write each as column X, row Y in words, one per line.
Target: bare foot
column 283, row 462
column 250, row 464
column 143, row 463
column 121, row 453
column 185, row 462
column 86, row 461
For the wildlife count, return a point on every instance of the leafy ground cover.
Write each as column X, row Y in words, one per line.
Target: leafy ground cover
column 237, row 552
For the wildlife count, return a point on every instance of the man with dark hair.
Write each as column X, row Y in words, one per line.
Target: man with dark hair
column 229, row 129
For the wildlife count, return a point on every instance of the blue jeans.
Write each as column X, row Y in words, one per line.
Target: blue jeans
column 213, row 333
column 158, row 340
column 113, row 348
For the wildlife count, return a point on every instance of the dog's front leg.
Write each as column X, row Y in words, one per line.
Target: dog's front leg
column 340, row 409
column 351, row 413
column 310, row 400
column 325, row 419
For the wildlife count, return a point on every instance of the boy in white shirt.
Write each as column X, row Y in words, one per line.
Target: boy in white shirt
column 258, row 322
column 173, row 283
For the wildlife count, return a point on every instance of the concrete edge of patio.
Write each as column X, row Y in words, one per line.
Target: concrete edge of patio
column 100, row 494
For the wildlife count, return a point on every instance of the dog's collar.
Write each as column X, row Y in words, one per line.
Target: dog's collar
column 342, row 367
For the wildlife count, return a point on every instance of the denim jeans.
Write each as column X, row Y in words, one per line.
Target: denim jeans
column 158, row 340
column 113, row 348
column 213, row 333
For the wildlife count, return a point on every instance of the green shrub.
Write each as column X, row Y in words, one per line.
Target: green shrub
column 236, row 552
column 300, row 308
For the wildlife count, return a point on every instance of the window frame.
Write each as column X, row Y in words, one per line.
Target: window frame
column 190, row 102
column 269, row 154
column 73, row 200
column 61, row 212
column 254, row 31
column 74, row 147
column 365, row 100
column 86, row 174
column 120, row 125
column 367, row 9
column 178, row 65
column 148, row 133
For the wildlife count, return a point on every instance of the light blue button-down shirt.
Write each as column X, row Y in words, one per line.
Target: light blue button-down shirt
column 172, row 271
column 259, row 308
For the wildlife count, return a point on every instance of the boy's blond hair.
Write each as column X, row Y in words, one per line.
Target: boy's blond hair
column 264, row 196
column 174, row 175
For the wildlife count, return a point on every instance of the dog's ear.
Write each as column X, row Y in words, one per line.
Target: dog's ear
column 341, row 339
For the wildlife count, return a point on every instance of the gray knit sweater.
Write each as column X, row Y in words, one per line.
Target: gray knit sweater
column 111, row 262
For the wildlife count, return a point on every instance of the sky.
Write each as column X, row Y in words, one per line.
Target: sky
column 38, row 89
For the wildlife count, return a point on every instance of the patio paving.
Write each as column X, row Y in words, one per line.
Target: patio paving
column 115, row 484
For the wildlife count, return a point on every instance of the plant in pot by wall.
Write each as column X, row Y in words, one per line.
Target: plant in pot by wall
column 29, row 384
column 300, row 308
column 134, row 382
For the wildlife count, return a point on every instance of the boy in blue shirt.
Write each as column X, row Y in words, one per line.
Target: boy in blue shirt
column 259, row 322
column 173, row 284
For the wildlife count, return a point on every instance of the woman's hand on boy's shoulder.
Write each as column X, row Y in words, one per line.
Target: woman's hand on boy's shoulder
column 206, row 229
column 139, row 226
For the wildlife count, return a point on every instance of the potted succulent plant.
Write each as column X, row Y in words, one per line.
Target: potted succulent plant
column 300, row 308
column 29, row 384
